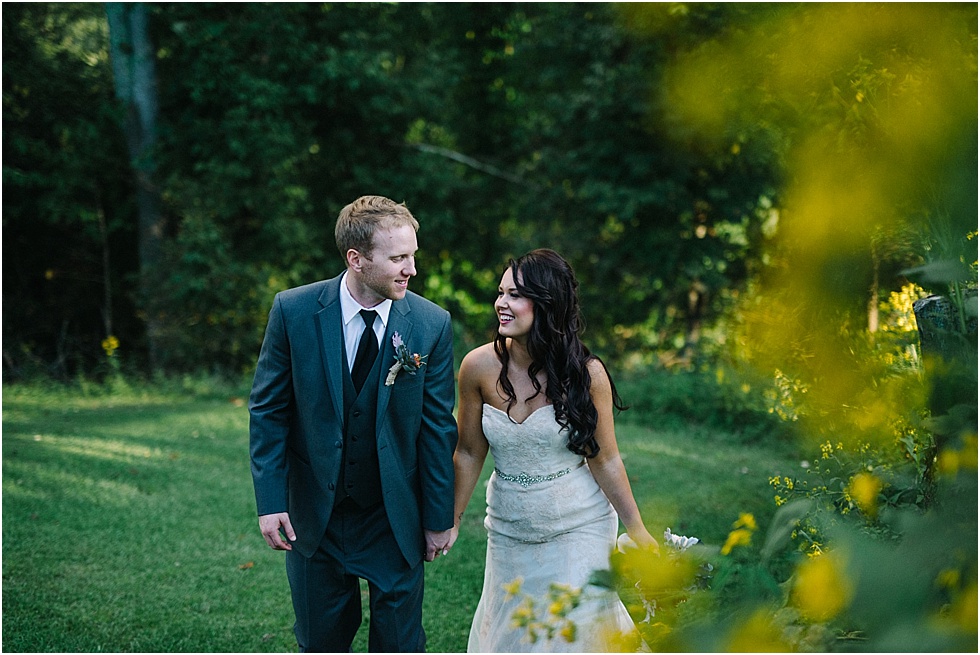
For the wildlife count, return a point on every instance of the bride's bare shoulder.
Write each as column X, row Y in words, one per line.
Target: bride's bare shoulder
column 481, row 363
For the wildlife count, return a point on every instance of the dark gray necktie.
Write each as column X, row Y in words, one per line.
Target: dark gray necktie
column 367, row 350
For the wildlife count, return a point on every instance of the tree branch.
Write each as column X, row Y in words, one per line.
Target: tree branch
column 472, row 163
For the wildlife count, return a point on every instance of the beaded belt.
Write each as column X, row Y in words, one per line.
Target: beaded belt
column 526, row 480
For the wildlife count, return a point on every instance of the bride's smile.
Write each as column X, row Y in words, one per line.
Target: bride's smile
column 515, row 313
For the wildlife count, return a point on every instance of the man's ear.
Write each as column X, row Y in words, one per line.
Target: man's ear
column 355, row 260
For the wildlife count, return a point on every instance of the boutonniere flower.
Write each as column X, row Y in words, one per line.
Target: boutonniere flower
column 410, row 362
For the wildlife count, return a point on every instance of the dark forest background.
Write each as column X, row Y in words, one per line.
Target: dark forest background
column 169, row 167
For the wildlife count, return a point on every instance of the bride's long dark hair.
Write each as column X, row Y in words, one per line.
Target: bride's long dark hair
column 556, row 347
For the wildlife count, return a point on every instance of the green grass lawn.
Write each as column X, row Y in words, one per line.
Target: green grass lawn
column 129, row 523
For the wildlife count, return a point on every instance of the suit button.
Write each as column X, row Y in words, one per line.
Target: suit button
column 330, row 486
column 353, row 438
column 357, row 413
column 350, row 485
column 352, row 462
column 339, row 444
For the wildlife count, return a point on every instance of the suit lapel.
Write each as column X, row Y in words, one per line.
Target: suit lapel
column 329, row 322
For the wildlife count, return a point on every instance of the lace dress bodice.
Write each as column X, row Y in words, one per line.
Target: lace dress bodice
column 535, row 446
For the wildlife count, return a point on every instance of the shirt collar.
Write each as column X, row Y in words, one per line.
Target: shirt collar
column 351, row 307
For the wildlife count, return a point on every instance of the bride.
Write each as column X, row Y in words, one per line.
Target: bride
column 542, row 405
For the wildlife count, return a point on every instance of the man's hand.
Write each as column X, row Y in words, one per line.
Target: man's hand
column 436, row 543
column 273, row 526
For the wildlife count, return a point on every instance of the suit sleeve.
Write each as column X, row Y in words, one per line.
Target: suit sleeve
column 437, row 440
column 270, row 411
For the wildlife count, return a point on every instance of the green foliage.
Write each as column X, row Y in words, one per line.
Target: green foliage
column 886, row 514
column 717, row 396
column 503, row 127
column 66, row 192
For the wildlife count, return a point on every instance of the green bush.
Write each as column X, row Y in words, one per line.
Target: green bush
column 717, row 397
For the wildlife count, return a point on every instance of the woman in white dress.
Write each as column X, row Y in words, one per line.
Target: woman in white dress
column 542, row 405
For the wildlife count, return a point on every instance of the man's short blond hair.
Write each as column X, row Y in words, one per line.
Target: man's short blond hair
column 359, row 220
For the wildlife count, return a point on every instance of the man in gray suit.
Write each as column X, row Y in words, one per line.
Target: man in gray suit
column 352, row 436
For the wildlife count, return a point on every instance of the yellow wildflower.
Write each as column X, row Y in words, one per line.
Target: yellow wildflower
column 739, row 537
column 964, row 610
column 968, row 456
column 745, row 520
column 110, row 344
column 948, row 578
column 864, row 489
column 513, row 587
column 821, row 590
column 756, row 635
column 948, row 462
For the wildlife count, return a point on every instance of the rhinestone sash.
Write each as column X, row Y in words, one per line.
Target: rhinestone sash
column 526, row 480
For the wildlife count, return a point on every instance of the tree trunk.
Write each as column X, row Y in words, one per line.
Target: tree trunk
column 134, row 70
column 106, row 270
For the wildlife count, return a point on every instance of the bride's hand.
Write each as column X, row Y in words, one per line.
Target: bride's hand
column 643, row 539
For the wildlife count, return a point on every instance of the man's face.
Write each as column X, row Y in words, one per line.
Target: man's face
column 386, row 274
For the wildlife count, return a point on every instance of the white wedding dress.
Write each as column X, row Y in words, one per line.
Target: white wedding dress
column 547, row 522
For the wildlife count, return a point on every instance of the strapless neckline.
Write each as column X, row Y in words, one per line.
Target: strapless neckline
column 526, row 419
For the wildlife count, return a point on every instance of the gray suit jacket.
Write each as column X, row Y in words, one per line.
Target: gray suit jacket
column 297, row 414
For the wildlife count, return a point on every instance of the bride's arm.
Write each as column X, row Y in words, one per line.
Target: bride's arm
column 472, row 447
column 607, row 467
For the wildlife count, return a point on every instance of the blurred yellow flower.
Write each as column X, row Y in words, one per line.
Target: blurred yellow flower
column 756, row 635
column 951, row 461
column 654, row 574
column 110, row 344
column 948, row 462
column 513, row 587
column 968, row 455
column 948, row 578
column 821, row 589
column 745, row 520
column 739, row 537
column 523, row 615
column 964, row 610
column 742, row 529
column 864, row 489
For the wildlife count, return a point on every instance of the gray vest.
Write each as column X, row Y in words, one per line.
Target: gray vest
column 360, row 477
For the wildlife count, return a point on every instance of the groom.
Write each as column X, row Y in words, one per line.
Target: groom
column 352, row 439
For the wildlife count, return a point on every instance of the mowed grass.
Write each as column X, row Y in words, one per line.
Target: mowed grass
column 129, row 523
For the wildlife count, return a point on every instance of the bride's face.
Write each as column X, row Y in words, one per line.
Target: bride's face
column 515, row 313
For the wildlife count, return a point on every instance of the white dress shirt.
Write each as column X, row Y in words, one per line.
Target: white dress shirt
column 354, row 324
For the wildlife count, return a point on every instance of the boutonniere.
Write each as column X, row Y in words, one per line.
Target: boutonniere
column 403, row 360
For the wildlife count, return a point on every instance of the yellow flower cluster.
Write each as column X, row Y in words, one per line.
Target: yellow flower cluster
column 741, row 534
column 827, row 449
column 110, row 345
column 562, row 599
